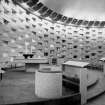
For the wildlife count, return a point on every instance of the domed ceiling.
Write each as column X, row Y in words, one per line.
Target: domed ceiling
column 81, row 9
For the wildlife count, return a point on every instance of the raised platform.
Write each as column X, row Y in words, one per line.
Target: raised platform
column 17, row 88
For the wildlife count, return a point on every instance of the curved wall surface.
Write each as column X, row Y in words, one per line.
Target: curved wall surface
column 19, row 29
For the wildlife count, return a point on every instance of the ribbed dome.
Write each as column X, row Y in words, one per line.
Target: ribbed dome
column 85, row 9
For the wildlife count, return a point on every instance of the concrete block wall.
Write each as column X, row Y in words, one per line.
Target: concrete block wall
column 50, row 39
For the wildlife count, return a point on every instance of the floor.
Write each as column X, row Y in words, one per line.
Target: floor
column 17, row 87
column 100, row 100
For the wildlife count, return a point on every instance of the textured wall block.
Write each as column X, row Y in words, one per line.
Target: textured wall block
column 53, row 40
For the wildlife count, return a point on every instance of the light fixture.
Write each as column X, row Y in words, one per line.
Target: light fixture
column 96, row 23
column 64, row 18
column 43, row 9
column 69, row 20
column 53, row 15
column 37, row 6
column 32, row 2
column 48, row 13
column 79, row 22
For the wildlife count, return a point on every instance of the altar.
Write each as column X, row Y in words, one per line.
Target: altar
column 33, row 64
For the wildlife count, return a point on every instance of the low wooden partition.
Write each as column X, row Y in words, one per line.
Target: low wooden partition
column 64, row 100
column 78, row 70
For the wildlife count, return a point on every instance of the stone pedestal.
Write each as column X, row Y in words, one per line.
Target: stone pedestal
column 48, row 84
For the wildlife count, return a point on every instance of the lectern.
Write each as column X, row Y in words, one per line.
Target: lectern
column 78, row 69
